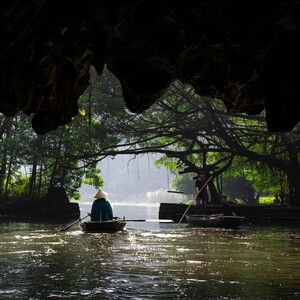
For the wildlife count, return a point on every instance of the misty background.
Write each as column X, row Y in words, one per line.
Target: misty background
column 134, row 180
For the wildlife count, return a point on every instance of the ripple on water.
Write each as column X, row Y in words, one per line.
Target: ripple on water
column 163, row 263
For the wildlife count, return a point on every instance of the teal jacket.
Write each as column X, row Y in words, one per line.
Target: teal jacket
column 101, row 210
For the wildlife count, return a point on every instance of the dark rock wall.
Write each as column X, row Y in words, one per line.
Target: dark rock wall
column 243, row 52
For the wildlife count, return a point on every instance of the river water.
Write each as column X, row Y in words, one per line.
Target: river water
column 149, row 260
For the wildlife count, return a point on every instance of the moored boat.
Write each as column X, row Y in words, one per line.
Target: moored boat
column 104, row 226
column 214, row 221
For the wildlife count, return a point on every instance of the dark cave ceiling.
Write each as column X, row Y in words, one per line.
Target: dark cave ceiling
column 245, row 53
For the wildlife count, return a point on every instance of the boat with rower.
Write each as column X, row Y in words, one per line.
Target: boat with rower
column 215, row 220
column 115, row 225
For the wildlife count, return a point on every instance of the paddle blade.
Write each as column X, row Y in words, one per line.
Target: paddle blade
column 70, row 225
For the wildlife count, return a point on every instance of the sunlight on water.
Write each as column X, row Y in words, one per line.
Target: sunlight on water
column 149, row 260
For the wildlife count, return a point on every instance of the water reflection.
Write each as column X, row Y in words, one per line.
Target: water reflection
column 169, row 261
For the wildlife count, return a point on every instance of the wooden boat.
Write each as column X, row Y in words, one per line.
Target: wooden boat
column 214, row 221
column 104, row 226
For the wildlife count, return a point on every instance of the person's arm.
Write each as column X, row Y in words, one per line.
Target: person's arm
column 222, row 214
column 196, row 188
column 230, row 208
column 208, row 194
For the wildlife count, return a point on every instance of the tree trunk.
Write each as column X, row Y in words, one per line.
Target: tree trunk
column 8, row 173
column 294, row 188
column 2, row 173
column 32, row 177
column 35, row 159
column 54, row 172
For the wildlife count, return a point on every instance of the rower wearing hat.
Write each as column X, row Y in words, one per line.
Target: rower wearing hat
column 101, row 208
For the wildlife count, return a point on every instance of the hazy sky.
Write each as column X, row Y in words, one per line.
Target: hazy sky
column 132, row 178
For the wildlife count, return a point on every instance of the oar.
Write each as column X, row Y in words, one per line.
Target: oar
column 70, row 225
column 194, row 198
column 151, row 220
column 160, row 220
column 177, row 192
column 135, row 220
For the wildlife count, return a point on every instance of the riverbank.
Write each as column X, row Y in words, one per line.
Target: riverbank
column 55, row 205
column 270, row 214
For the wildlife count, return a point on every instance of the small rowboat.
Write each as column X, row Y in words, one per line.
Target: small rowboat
column 214, row 221
column 104, row 226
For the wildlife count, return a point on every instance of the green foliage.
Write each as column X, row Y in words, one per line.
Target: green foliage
column 18, row 185
column 93, row 178
column 65, row 156
column 266, row 200
column 188, row 131
column 192, row 132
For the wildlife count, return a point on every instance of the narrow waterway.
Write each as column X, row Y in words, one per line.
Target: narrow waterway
column 149, row 260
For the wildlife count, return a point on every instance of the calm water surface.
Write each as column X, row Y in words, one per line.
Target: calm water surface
column 149, row 260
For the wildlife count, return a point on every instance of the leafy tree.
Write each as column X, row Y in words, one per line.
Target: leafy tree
column 191, row 132
column 194, row 132
column 64, row 157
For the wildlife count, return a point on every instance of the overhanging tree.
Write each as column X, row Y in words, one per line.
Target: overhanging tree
column 197, row 133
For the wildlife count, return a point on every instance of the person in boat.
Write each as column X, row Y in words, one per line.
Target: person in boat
column 226, row 208
column 101, row 208
column 202, row 192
